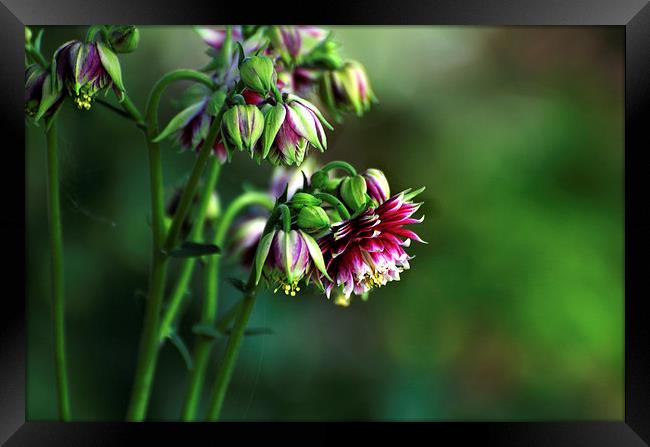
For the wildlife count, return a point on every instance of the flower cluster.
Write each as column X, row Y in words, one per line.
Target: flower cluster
column 270, row 77
column 345, row 234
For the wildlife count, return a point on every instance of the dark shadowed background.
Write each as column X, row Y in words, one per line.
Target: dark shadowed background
column 514, row 310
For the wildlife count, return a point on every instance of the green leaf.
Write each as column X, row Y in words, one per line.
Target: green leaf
column 194, row 249
column 182, row 349
column 206, row 330
column 253, row 331
column 261, row 255
column 315, row 253
column 238, row 284
column 178, row 121
column 111, row 63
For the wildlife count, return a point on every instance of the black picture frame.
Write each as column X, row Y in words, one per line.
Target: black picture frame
column 633, row 15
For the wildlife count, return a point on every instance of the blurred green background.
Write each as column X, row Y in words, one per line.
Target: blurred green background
column 514, row 311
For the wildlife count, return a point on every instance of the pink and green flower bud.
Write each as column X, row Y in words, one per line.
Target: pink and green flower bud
column 242, row 126
column 347, row 89
column 85, row 69
column 124, row 38
column 256, row 72
column 313, row 219
column 288, row 130
column 42, row 99
column 354, row 192
column 377, row 185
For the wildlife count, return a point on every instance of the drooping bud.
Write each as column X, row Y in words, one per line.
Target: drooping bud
column 28, row 36
column 378, row 188
column 313, row 219
column 347, row 89
column 124, row 38
column 256, row 73
column 303, row 199
column 242, row 126
column 353, row 192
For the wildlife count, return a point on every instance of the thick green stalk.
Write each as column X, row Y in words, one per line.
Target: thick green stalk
column 196, row 235
column 232, row 350
column 209, row 310
column 56, row 241
column 148, row 351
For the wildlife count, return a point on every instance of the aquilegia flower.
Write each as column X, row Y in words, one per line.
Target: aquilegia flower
column 367, row 251
column 85, row 69
column 288, row 130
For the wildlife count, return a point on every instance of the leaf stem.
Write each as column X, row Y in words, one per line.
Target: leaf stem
column 56, row 241
column 210, row 300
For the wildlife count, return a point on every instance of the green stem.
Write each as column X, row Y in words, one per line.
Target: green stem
column 190, row 188
column 133, row 111
column 148, row 351
column 232, row 350
column 209, row 309
column 56, row 240
column 196, row 235
column 234, row 341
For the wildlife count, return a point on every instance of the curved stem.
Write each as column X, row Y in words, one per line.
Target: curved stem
column 336, row 203
column 340, row 165
column 133, row 111
column 56, row 241
column 148, row 352
column 169, row 317
column 208, row 312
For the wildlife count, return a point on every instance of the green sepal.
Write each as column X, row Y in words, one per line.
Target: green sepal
column 111, row 63
column 178, row 121
column 315, row 253
column 262, row 253
column 273, row 118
